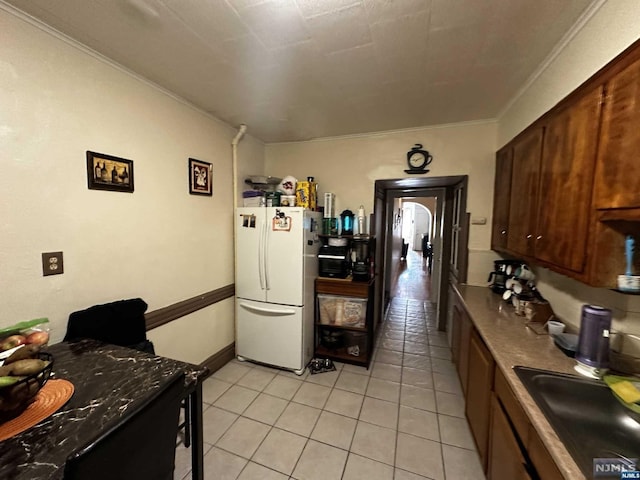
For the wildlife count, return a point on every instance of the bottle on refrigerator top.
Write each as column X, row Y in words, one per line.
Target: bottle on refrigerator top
column 361, row 221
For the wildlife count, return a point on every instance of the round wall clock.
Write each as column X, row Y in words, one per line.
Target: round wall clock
column 418, row 159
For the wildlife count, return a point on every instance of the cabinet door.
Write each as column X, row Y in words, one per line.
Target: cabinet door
column 465, row 327
column 568, row 161
column 478, row 398
column 501, row 198
column 618, row 168
column 524, row 192
column 455, row 335
column 506, row 460
column 541, row 459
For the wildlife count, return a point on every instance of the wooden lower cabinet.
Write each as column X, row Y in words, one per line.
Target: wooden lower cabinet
column 461, row 332
column 505, row 459
column 541, row 458
column 479, row 387
column 465, row 335
column 508, row 445
column 510, row 428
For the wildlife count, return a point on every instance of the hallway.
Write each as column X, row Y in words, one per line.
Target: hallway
column 412, row 278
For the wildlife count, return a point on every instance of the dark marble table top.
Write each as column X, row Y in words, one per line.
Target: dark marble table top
column 110, row 382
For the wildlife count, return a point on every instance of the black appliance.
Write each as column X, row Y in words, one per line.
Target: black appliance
column 334, row 262
column 502, row 270
column 363, row 251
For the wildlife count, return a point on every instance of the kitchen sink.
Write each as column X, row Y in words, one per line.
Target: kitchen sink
column 585, row 415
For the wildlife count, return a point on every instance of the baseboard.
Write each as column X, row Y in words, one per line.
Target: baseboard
column 220, row 359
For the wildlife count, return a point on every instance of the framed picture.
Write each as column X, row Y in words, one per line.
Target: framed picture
column 106, row 172
column 200, row 177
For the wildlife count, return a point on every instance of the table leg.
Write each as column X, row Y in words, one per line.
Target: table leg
column 197, row 457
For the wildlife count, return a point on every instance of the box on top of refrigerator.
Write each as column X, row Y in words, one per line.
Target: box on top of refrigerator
column 306, row 194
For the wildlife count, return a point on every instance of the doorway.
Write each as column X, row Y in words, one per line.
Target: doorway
column 411, row 277
column 388, row 218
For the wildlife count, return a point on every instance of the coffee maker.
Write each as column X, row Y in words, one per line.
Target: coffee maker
column 592, row 355
column 362, row 254
column 502, row 270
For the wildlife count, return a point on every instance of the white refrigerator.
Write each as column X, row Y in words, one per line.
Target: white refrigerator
column 276, row 266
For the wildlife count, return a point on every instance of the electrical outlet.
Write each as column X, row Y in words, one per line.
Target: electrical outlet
column 52, row 263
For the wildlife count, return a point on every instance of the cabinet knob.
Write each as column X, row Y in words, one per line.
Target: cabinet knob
column 538, row 237
column 503, row 232
column 529, row 236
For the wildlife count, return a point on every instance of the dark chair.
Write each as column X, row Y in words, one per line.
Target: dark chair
column 119, row 323
column 141, row 447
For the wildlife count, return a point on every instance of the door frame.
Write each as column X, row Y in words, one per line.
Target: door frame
column 384, row 191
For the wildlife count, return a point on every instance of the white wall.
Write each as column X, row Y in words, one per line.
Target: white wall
column 609, row 31
column 349, row 167
column 159, row 243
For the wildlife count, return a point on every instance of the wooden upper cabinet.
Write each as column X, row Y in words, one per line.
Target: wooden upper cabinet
column 618, row 166
column 566, row 180
column 524, row 192
column 502, row 198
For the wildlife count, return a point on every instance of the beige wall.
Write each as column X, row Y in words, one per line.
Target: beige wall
column 608, row 32
column 159, row 243
column 349, row 166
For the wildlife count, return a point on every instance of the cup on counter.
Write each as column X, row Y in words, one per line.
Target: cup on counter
column 554, row 327
column 525, row 273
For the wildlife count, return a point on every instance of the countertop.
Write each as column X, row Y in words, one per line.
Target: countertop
column 109, row 383
column 512, row 343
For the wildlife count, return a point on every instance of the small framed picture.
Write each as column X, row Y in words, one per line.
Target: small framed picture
column 106, row 172
column 200, row 177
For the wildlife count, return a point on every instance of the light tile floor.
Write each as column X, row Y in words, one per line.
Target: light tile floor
column 403, row 419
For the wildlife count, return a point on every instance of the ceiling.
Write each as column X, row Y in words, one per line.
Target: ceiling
column 300, row 69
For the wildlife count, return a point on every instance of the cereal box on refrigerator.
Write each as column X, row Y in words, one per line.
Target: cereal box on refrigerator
column 306, row 193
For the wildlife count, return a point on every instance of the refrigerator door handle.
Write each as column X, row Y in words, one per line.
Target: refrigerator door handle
column 266, row 252
column 261, row 263
column 277, row 311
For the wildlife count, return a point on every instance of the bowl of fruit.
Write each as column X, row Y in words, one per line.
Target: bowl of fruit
column 22, row 376
column 24, row 367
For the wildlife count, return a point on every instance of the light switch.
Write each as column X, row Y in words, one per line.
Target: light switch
column 478, row 221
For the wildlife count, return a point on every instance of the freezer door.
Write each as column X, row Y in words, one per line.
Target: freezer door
column 270, row 334
column 250, row 229
column 284, row 255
